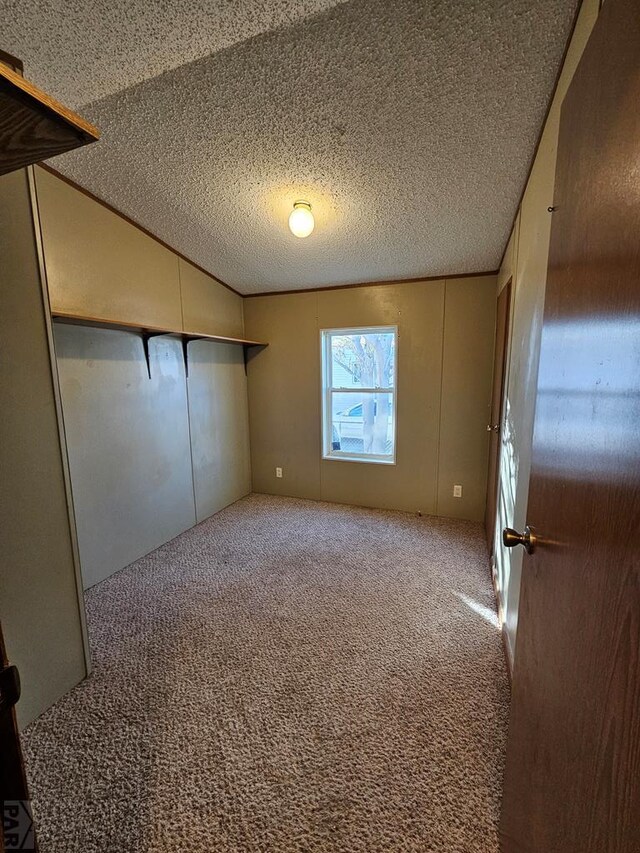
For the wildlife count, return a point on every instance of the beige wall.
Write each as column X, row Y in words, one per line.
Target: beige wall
column 525, row 262
column 207, row 305
column 100, row 265
column 149, row 455
column 128, row 439
column 417, row 311
column 219, row 421
column 39, row 596
column 469, row 323
column 284, row 382
column 445, row 346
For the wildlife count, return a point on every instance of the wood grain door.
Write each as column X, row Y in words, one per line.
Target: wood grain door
column 503, row 311
column 572, row 781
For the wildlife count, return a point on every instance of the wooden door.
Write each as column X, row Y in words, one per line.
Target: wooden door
column 572, row 780
column 18, row 831
column 503, row 312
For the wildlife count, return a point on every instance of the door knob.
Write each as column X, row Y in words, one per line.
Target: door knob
column 493, row 427
column 511, row 538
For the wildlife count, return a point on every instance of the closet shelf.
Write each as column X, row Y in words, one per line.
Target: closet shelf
column 148, row 332
column 34, row 126
column 81, row 320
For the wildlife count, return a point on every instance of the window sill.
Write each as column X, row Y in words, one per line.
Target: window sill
column 359, row 459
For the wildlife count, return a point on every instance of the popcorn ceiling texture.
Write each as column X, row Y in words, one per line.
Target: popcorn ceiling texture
column 409, row 126
column 286, row 677
column 87, row 49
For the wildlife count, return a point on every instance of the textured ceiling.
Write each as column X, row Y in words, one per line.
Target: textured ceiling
column 409, row 125
column 82, row 50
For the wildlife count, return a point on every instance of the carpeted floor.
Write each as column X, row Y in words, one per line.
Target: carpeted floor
column 287, row 677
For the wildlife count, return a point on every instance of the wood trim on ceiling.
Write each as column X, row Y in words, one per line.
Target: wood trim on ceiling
column 542, row 129
column 426, row 278
column 153, row 236
column 137, row 225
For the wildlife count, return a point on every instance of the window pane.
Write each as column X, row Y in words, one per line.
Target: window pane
column 362, row 423
column 362, row 360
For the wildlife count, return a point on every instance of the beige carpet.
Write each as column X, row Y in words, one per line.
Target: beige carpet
column 287, row 676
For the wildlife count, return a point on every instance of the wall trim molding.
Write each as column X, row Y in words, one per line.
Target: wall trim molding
column 137, row 225
column 421, row 279
column 153, row 236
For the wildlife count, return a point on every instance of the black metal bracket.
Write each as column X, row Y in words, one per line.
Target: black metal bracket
column 9, row 688
column 185, row 339
column 248, row 351
column 185, row 355
column 146, row 337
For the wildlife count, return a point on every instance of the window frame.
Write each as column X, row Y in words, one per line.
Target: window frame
column 327, row 390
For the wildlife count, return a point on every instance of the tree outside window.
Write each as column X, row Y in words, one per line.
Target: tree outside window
column 359, row 378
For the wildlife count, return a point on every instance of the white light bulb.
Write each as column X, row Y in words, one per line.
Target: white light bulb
column 301, row 221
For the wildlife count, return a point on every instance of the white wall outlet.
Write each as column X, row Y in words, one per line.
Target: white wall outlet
column 279, row 473
column 457, row 491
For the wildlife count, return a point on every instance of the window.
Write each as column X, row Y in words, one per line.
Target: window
column 359, row 394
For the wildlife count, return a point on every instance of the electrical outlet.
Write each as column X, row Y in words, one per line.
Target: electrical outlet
column 457, row 491
column 279, row 473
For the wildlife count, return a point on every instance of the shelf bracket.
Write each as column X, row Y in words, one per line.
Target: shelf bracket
column 186, row 340
column 146, row 337
column 185, row 355
column 248, row 351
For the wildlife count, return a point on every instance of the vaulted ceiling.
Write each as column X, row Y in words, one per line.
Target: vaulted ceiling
column 409, row 125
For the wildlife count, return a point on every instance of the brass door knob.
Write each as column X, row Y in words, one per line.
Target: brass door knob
column 493, row 427
column 511, row 538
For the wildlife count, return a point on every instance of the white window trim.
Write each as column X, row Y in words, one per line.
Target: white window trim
column 327, row 390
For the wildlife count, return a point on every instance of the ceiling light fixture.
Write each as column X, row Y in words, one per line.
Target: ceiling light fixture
column 301, row 221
